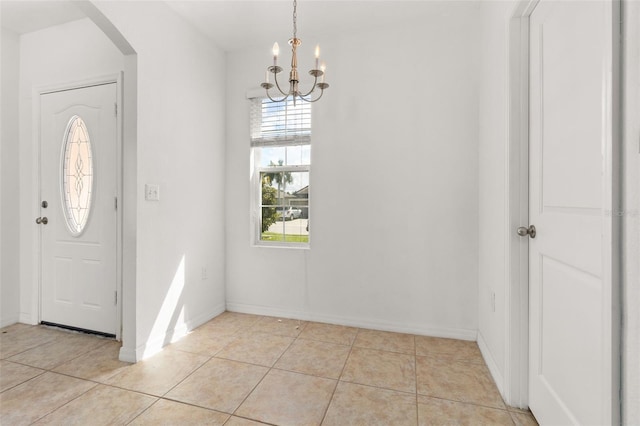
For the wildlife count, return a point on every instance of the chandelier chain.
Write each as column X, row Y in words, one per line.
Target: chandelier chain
column 295, row 19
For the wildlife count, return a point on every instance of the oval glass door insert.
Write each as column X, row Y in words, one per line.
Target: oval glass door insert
column 77, row 176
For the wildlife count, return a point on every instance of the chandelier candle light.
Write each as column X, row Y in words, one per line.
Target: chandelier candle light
column 294, row 90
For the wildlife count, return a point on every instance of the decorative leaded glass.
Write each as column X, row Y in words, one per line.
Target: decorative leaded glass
column 77, row 175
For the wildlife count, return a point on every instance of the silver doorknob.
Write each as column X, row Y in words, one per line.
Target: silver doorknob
column 530, row 231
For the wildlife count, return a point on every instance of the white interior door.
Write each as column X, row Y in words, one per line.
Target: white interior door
column 572, row 368
column 78, row 182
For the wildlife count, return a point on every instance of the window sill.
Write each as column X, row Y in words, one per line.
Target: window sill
column 282, row 246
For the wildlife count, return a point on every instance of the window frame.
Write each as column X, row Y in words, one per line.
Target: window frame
column 256, row 144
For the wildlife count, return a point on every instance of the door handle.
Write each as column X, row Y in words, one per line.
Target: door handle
column 42, row 220
column 530, row 231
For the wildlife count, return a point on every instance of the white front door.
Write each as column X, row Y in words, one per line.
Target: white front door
column 78, row 184
column 572, row 368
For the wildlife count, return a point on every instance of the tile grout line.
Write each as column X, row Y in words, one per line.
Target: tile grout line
column 380, row 387
column 266, row 374
column 109, row 385
column 250, row 419
column 25, row 381
column 406, row 393
column 51, row 369
column 144, row 411
column 76, row 357
column 67, row 402
column 37, row 326
column 463, row 362
column 260, row 381
column 64, row 333
column 449, row 360
column 457, row 401
column 166, row 398
column 187, row 376
column 210, row 357
column 324, row 416
column 26, row 350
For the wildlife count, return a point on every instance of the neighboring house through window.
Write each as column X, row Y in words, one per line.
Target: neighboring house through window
column 281, row 161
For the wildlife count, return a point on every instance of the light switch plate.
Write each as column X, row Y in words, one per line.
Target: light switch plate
column 152, row 192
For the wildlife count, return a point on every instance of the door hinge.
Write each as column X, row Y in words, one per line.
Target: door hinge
column 115, row 297
column 116, row 202
column 115, row 109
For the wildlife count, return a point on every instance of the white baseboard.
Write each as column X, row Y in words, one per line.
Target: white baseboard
column 155, row 343
column 491, row 363
column 127, row 355
column 27, row 318
column 398, row 327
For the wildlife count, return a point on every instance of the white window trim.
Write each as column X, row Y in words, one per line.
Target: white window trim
column 256, row 187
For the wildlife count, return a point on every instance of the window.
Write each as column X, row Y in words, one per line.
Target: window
column 77, row 176
column 281, row 151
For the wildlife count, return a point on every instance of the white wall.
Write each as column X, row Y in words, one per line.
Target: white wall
column 631, row 216
column 394, row 192
column 180, row 146
column 57, row 55
column 9, row 185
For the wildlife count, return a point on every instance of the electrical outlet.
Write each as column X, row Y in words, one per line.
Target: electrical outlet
column 152, row 192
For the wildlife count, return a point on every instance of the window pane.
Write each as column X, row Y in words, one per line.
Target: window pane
column 77, row 175
column 298, row 155
column 296, row 182
column 269, row 195
column 284, row 185
column 285, row 224
column 269, row 156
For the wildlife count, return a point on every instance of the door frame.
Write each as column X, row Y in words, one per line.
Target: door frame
column 516, row 376
column 37, row 265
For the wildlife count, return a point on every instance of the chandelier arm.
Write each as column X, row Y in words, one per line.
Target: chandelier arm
column 285, row 94
column 275, row 100
column 313, row 100
column 315, row 81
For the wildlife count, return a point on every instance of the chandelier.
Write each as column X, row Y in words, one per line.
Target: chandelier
column 294, row 90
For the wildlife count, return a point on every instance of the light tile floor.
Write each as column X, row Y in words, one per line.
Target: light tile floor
column 241, row 369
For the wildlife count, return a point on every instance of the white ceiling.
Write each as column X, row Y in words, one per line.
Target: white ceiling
column 26, row 16
column 240, row 23
column 237, row 24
